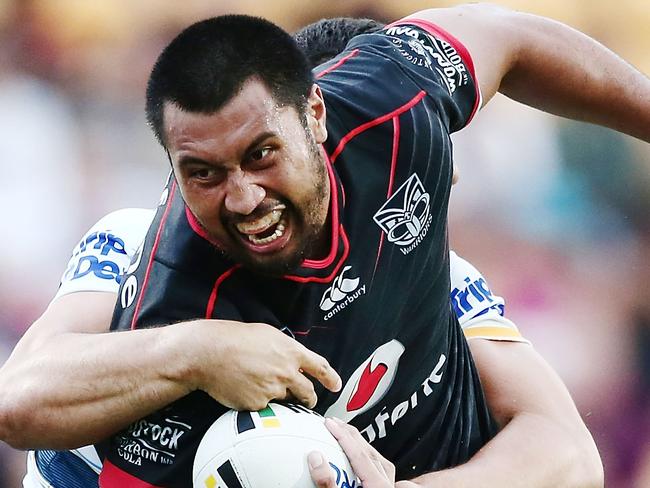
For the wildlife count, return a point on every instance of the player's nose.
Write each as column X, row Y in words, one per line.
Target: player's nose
column 243, row 196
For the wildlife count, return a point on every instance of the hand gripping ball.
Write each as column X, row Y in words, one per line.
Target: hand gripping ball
column 267, row 449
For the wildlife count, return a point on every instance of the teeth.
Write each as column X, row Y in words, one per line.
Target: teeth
column 263, row 223
column 279, row 231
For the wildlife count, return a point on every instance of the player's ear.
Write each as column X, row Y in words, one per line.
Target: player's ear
column 316, row 114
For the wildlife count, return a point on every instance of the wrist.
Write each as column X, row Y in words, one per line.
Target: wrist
column 180, row 347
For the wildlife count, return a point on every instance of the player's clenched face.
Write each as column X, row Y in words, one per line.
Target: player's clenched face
column 253, row 175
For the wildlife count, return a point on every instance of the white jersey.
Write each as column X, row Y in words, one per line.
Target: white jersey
column 479, row 311
column 102, row 256
column 105, row 252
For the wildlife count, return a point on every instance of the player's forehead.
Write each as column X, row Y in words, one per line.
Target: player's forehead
column 251, row 114
column 251, row 101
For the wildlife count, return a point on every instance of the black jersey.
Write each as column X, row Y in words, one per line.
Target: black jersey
column 377, row 306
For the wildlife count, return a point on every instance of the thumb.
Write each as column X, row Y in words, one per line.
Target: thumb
column 320, row 470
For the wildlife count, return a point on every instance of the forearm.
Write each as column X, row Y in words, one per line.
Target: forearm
column 543, row 441
column 79, row 388
column 69, row 389
column 549, row 66
column 562, row 71
column 530, row 452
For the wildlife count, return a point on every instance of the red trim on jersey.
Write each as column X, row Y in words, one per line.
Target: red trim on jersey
column 334, row 212
column 112, row 476
column 213, row 296
column 306, row 332
column 330, row 277
column 393, row 158
column 379, row 120
column 145, row 281
column 391, row 179
column 197, row 227
column 440, row 33
column 338, row 63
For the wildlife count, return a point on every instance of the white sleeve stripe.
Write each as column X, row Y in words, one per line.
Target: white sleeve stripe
column 501, row 339
column 90, row 462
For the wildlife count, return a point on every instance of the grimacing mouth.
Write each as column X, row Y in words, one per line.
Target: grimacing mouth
column 266, row 228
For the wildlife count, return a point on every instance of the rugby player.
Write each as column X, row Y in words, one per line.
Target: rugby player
column 106, row 249
column 383, row 68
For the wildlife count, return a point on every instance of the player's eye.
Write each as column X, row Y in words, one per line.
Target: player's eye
column 260, row 154
column 205, row 174
column 202, row 173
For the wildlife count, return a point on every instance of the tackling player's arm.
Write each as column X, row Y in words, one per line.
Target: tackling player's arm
column 70, row 382
column 536, row 414
column 548, row 65
column 543, row 441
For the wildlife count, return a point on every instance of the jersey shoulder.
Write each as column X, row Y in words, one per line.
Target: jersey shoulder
column 105, row 251
column 480, row 312
column 387, row 69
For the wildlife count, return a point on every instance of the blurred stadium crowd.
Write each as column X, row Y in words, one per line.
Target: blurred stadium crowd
column 554, row 213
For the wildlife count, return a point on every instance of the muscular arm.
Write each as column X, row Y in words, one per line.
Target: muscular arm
column 550, row 66
column 543, row 441
column 69, row 382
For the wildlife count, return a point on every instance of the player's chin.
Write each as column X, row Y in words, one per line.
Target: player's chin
column 282, row 261
column 274, row 268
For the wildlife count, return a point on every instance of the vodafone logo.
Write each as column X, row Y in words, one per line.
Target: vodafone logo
column 366, row 386
column 369, row 382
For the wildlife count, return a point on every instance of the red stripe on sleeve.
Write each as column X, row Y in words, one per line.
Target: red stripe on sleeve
column 440, row 33
column 338, row 63
column 379, row 120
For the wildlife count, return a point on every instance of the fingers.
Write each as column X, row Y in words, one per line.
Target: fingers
column 318, row 368
column 301, row 389
column 367, row 463
column 320, row 470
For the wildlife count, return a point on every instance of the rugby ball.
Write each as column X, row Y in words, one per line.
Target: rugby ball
column 267, row 449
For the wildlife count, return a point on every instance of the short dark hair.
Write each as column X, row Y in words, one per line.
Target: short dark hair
column 208, row 62
column 324, row 39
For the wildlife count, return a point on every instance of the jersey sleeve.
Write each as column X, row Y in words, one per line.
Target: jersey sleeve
column 105, row 251
column 480, row 312
column 431, row 55
column 414, row 52
column 380, row 74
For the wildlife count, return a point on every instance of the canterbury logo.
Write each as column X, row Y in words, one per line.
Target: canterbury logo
column 369, row 382
column 340, row 289
column 405, row 215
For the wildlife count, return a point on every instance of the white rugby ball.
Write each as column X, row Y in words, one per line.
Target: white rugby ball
column 267, row 449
